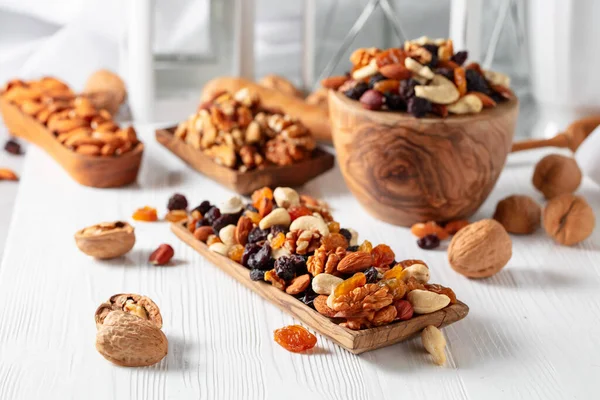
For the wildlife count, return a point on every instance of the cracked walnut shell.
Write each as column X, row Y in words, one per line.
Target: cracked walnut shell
column 568, row 219
column 106, row 240
column 480, row 249
column 140, row 306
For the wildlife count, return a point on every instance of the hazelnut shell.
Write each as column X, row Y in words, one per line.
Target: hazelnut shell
column 556, row 174
column 106, row 240
column 568, row 219
column 480, row 249
column 519, row 214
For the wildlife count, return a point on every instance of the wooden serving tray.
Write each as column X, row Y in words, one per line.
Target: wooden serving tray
column 354, row 341
column 94, row 171
column 246, row 182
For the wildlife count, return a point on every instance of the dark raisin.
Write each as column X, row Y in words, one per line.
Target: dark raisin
column 308, row 297
column 376, row 78
column 202, row 222
column 372, row 275
column 476, row 82
column 460, row 57
column 497, row 97
column 346, row 233
column 260, row 259
column 447, row 72
column 275, row 229
column 119, row 224
column 203, row 207
column 250, row 249
column 250, row 207
column 407, row 88
column 357, row 91
column 211, row 215
column 286, row 267
column 257, row 275
column 418, row 106
column 428, row 242
column 394, row 102
column 433, row 49
column 353, row 248
column 177, row 202
column 224, row 220
column 13, row 147
column 257, row 235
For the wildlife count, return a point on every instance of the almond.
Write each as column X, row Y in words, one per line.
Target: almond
column 486, row 100
column 355, row 262
column 203, row 232
column 321, row 306
column 334, row 82
column 298, row 284
column 395, row 71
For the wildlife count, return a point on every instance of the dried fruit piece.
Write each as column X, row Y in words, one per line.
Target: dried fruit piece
column 13, row 147
column 295, row 338
column 413, row 284
column 429, row 242
column 146, row 214
column 8, row 175
column 407, row 263
column 278, row 241
column 176, row 215
column 298, row 211
column 271, row 276
column 265, row 207
column 387, row 86
column 254, row 217
column 395, row 273
column 439, row 289
column 382, row 255
column 390, row 56
column 260, row 194
column 333, row 226
column 235, row 253
column 460, row 80
column 357, row 280
column 366, row 246
column 396, row 287
column 177, row 202
column 162, row 255
column 212, row 239
column 423, row 229
column 453, row 227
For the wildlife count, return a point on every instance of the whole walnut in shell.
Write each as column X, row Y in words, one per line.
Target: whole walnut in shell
column 519, row 214
column 569, row 219
column 480, row 249
column 556, row 174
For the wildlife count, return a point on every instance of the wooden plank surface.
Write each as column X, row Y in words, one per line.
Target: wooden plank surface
column 532, row 330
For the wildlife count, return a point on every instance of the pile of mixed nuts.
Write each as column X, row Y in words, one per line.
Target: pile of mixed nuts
column 424, row 77
column 237, row 132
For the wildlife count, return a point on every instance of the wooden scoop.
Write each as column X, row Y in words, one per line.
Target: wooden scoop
column 571, row 138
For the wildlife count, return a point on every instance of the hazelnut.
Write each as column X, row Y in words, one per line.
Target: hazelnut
column 518, row 214
column 480, row 249
column 568, row 219
column 106, row 240
column 556, row 174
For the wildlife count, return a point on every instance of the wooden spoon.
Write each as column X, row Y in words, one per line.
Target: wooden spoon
column 571, row 138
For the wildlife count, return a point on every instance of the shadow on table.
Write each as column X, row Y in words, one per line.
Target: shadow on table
column 178, row 348
column 542, row 278
column 138, row 257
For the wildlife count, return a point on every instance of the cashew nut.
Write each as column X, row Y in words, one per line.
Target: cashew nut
column 418, row 271
column 227, row 235
column 330, row 299
column 220, row 248
column 435, row 343
column 325, row 283
column 309, row 222
column 469, row 104
column 419, row 69
column 286, row 197
column 368, row 70
column 278, row 216
column 420, row 41
column 354, row 239
column 439, row 91
column 426, row 302
column 232, row 206
column 497, row 78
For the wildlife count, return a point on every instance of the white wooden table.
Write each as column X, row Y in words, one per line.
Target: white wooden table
column 532, row 332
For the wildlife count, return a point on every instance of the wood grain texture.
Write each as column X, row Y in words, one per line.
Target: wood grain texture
column 354, row 341
column 245, row 183
column 99, row 172
column 312, row 116
column 405, row 170
column 571, row 138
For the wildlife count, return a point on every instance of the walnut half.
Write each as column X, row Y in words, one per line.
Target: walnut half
column 140, row 306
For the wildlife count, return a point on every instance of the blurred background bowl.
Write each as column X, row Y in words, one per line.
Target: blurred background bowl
column 405, row 170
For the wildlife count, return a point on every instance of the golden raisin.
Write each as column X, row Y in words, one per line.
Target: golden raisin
column 397, row 287
column 408, row 263
column 390, row 56
column 439, row 289
column 298, row 211
column 176, row 215
column 357, row 280
column 196, row 214
column 147, row 214
column 387, row 86
column 260, row 194
column 395, row 273
column 366, row 246
column 295, row 338
column 413, row 284
column 334, row 227
column 254, row 216
column 423, row 229
column 454, row 226
column 278, row 240
column 212, row 239
column 235, row 252
column 383, row 256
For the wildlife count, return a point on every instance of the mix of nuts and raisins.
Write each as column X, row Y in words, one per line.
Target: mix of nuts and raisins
column 293, row 242
column 424, row 77
column 73, row 119
column 237, row 132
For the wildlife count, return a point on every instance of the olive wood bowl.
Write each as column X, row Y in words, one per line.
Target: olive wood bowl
column 94, row 171
column 405, row 170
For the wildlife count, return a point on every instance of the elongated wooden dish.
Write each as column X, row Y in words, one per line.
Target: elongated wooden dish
column 354, row 341
column 247, row 182
column 99, row 172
